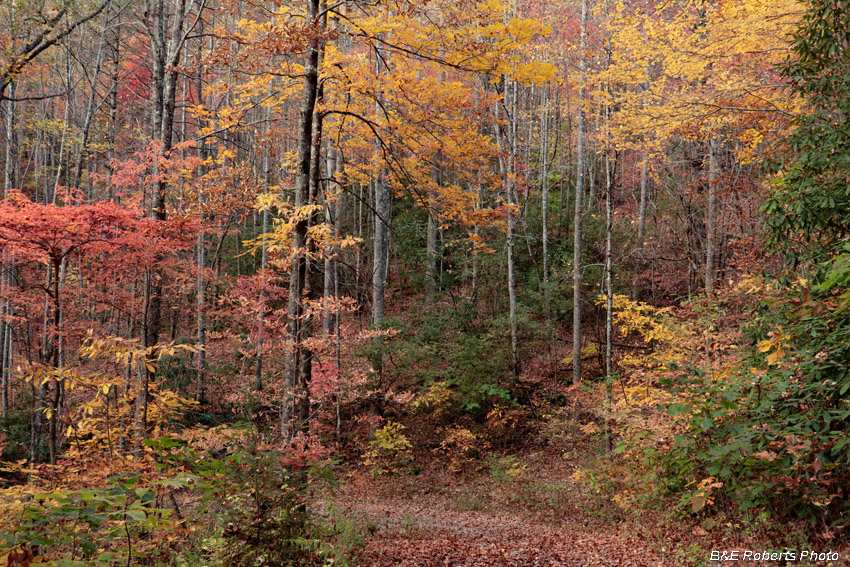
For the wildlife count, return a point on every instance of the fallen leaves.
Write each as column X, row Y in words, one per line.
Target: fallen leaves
column 426, row 534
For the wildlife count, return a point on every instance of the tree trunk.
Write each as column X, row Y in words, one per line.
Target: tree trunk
column 577, row 229
column 59, row 267
column 380, row 260
column 609, row 288
column 331, row 200
column 544, row 205
column 166, row 46
column 644, row 191
column 6, row 358
column 113, row 103
column 261, row 323
column 9, row 181
column 383, row 212
column 299, row 325
column 475, row 260
column 711, row 214
column 82, row 155
column 510, row 244
column 201, row 393
column 431, row 252
column 201, row 319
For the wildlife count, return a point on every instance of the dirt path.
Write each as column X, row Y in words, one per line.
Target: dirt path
column 410, row 534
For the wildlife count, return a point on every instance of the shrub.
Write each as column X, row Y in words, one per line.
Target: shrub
column 390, row 450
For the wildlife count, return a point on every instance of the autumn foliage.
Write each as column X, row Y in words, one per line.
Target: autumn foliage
column 272, row 273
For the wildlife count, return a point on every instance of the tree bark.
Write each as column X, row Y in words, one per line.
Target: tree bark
column 644, row 192
column 511, row 88
column 431, row 244
column 331, row 201
column 577, row 228
column 261, row 323
column 382, row 219
column 544, row 204
column 298, row 357
column 711, row 214
column 113, row 102
column 90, row 105
column 201, row 393
column 383, row 212
column 9, row 181
column 609, row 288
column 202, row 284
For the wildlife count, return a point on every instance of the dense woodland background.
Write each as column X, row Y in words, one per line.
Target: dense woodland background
column 251, row 249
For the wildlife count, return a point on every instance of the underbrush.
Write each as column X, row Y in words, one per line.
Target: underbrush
column 735, row 422
column 239, row 502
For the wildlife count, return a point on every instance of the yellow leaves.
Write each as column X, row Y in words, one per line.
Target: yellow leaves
column 775, row 344
column 534, row 73
column 390, row 449
column 437, row 397
column 492, row 6
column 431, row 102
column 750, row 285
column 270, row 200
column 638, row 317
column 321, row 238
column 225, row 154
column 697, row 69
column 125, row 351
column 349, row 241
column 640, row 395
column 94, row 422
column 15, row 498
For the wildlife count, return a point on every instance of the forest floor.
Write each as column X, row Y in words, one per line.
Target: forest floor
column 422, row 532
column 537, row 503
column 523, row 508
column 537, row 488
column 543, row 517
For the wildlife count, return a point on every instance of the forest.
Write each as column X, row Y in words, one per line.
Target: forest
column 422, row 283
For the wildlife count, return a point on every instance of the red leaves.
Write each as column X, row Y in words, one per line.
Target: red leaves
column 21, row 557
column 42, row 233
column 34, row 232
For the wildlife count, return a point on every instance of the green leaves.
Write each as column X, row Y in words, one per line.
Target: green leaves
column 811, row 199
column 92, row 526
column 773, row 429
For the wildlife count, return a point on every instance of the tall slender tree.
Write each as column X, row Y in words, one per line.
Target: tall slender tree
column 578, row 221
column 296, row 403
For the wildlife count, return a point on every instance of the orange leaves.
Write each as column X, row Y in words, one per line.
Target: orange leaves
column 402, row 96
column 702, row 496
